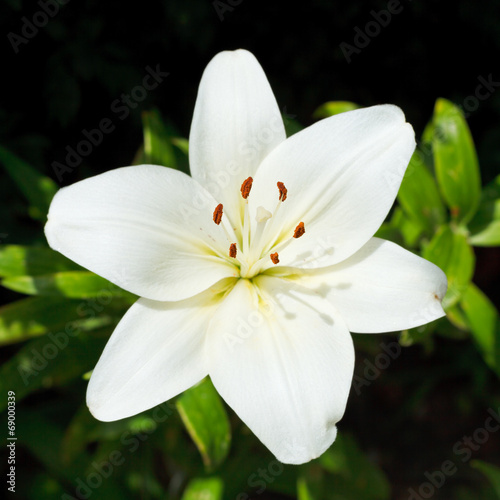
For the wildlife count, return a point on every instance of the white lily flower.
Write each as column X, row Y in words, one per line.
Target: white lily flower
column 255, row 269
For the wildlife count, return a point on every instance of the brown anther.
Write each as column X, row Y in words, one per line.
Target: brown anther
column 245, row 187
column 232, row 250
column 283, row 191
column 218, row 213
column 299, row 230
column 275, row 258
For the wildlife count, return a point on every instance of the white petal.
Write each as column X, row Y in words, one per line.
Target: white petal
column 155, row 353
column 147, row 228
column 342, row 176
column 236, row 123
column 382, row 288
column 284, row 364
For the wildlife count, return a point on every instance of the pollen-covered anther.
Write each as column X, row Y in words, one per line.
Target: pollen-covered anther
column 283, row 191
column 275, row 258
column 218, row 213
column 246, row 187
column 299, row 230
column 232, row 250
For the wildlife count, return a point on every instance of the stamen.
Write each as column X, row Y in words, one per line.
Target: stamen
column 299, row 230
column 283, row 191
column 275, row 258
column 246, row 187
column 218, row 213
column 232, row 250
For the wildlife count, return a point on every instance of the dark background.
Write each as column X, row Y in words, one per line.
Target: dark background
column 66, row 77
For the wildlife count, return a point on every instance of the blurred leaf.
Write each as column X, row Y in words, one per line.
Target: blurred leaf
column 352, row 476
column 52, row 361
column 422, row 335
column 181, row 144
column 43, row 441
column 410, row 229
column 488, row 235
column 332, row 108
column 17, row 260
column 71, row 284
column 205, row 418
column 158, row 148
column 419, row 196
column 35, row 316
column 485, row 225
column 84, row 429
column 455, row 161
column 306, row 490
column 389, row 232
column 292, row 126
column 457, row 316
column 492, row 472
column 209, row 488
column 428, row 137
column 484, row 322
column 37, row 188
column 452, row 253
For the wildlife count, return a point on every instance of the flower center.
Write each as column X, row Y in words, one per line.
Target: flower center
column 257, row 248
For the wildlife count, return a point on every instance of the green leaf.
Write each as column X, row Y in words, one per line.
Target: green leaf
column 158, row 148
column 205, row 418
column 451, row 252
column 71, row 284
column 181, row 144
column 52, row 361
column 456, row 315
column 389, row 232
column 455, row 161
column 292, row 126
column 410, row 229
column 491, row 472
column 18, row 260
column 419, row 196
column 485, row 226
column 36, row 316
column 208, row 488
column 37, row 188
column 332, row 108
column 484, row 322
column 306, row 489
